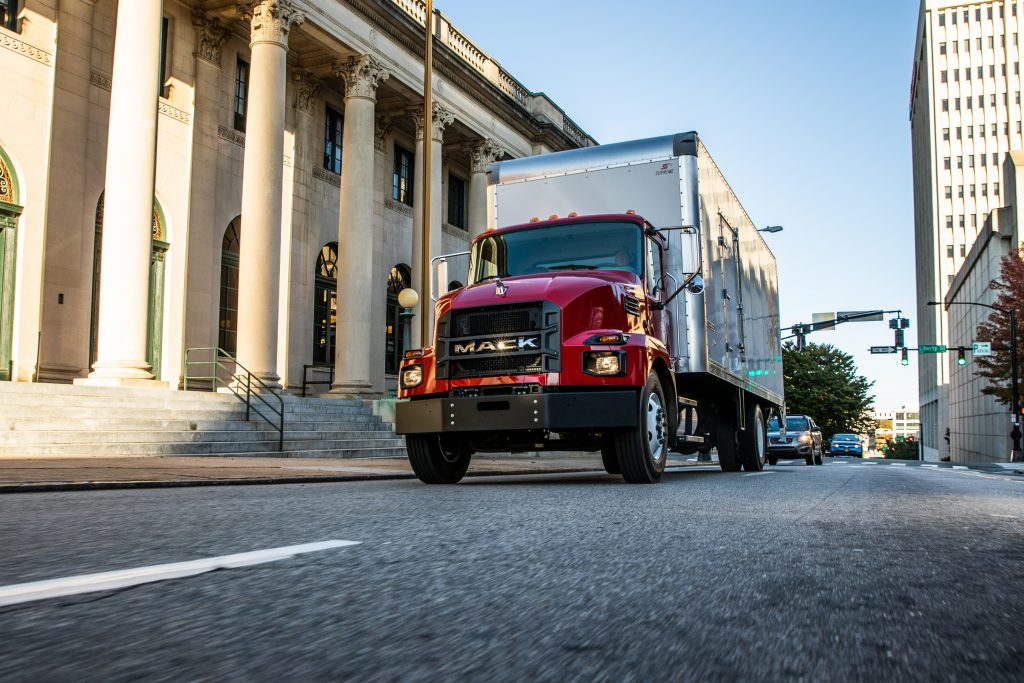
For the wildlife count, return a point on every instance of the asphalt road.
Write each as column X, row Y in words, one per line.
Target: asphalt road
column 847, row 571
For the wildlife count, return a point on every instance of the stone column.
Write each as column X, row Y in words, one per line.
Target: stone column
column 480, row 155
column 357, row 282
column 259, row 276
column 128, row 198
column 440, row 120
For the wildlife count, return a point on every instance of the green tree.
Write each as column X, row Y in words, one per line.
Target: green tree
column 822, row 381
column 996, row 368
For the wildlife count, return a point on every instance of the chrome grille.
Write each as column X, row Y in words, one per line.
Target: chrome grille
column 497, row 320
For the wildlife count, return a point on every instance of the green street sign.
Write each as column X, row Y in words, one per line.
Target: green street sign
column 932, row 348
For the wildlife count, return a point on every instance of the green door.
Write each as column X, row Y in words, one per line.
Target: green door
column 155, row 323
column 9, row 212
column 8, row 252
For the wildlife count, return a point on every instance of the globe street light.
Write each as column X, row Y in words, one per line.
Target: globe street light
column 1015, row 433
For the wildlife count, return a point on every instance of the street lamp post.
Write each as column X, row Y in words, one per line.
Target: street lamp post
column 1015, row 433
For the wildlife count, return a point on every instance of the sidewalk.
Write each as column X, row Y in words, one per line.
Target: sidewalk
column 22, row 475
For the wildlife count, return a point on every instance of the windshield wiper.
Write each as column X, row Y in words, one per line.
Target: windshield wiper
column 572, row 266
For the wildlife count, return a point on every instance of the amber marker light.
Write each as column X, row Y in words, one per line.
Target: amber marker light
column 414, row 353
column 573, row 214
column 552, row 216
column 630, row 212
column 535, row 219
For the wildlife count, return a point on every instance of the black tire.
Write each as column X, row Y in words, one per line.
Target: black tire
column 434, row 463
column 810, row 458
column 643, row 450
column 726, row 439
column 819, row 458
column 610, row 460
column 754, row 440
column 772, row 460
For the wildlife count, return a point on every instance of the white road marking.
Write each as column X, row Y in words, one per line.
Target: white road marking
column 757, row 474
column 959, row 467
column 897, row 464
column 123, row 578
column 931, row 467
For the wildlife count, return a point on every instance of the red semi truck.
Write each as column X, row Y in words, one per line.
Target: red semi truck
column 627, row 305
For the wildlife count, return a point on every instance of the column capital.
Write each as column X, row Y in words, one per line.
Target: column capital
column 271, row 20
column 381, row 128
column 483, row 153
column 307, row 88
column 210, row 37
column 440, row 120
column 362, row 75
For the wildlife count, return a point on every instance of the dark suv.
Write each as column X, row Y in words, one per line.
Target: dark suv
column 802, row 439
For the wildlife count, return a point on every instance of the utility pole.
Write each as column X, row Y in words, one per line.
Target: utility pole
column 428, row 123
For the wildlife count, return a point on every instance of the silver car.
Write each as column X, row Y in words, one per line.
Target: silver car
column 802, row 439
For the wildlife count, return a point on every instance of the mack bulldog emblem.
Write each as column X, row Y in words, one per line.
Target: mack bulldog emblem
column 496, row 345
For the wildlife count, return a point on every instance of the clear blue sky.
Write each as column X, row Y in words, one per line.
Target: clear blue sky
column 803, row 104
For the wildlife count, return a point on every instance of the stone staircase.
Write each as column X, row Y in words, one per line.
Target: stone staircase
column 60, row 420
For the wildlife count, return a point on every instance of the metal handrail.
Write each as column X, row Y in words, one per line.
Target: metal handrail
column 240, row 384
column 314, row 382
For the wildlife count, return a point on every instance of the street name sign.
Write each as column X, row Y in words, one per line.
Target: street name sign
column 932, row 348
column 860, row 316
column 981, row 348
column 883, row 349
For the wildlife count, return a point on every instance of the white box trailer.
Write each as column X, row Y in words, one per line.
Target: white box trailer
column 725, row 317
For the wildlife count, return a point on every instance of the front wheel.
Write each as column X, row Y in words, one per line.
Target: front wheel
column 437, row 462
column 818, row 459
column 643, row 450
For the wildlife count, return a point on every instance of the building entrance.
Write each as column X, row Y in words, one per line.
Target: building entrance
column 9, row 213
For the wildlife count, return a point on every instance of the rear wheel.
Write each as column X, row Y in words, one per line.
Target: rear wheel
column 754, row 440
column 772, row 460
column 643, row 450
column 726, row 439
column 437, row 462
column 819, row 457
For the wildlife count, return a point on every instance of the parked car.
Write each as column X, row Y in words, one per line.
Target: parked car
column 802, row 439
column 847, row 444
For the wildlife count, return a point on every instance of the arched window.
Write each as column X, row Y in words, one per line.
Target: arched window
column 325, row 305
column 227, row 336
column 394, row 341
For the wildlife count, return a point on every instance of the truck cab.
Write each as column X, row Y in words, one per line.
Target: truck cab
column 547, row 347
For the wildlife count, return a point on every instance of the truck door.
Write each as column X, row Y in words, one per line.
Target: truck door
column 654, row 290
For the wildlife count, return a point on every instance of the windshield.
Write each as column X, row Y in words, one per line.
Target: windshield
column 793, row 424
column 845, row 437
column 575, row 246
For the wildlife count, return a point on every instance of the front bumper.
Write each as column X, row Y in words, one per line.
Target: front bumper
column 794, row 449
column 556, row 411
column 840, row 450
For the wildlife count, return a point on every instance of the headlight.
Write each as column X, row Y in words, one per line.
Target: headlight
column 804, row 438
column 604, row 363
column 412, row 376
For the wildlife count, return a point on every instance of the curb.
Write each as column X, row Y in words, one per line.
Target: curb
column 47, row 487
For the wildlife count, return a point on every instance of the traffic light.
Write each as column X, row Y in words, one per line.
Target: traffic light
column 961, row 356
column 899, row 339
column 905, row 358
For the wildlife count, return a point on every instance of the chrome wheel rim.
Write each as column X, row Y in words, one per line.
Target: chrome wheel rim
column 655, row 427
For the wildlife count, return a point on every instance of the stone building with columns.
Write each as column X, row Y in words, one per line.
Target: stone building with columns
column 181, row 174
